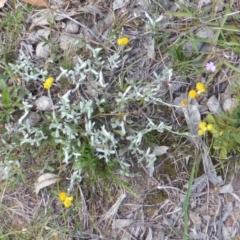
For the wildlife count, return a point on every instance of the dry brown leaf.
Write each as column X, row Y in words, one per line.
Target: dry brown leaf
column 45, row 180
column 2, row 2
column 119, row 4
column 160, row 150
column 43, row 18
column 35, row 3
column 150, row 46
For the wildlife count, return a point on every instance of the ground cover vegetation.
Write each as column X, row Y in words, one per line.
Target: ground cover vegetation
column 119, row 120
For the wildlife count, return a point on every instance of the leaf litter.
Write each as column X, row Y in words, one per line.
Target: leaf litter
column 36, row 3
column 2, row 3
column 45, row 180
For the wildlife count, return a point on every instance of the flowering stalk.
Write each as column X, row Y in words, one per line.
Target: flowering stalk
column 67, row 200
column 47, row 85
column 204, row 127
column 200, row 89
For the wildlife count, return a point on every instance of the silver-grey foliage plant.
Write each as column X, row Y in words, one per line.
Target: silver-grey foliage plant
column 107, row 139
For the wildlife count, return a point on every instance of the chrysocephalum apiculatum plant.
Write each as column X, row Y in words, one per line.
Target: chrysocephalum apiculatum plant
column 67, row 126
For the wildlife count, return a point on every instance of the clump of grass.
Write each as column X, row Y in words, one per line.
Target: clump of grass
column 12, row 28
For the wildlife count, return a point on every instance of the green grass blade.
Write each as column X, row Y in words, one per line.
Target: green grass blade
column 186, row 201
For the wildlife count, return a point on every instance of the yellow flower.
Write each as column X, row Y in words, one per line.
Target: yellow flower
column 68, row 202
column 202, row 128
column 201, row 132
column 184, row 102
column 122, row 41
column 200, row 87
column 62, row 196
column 210, row 127
column 70, row 198
column 192, row 94
column 202, row 125
column 48, row 83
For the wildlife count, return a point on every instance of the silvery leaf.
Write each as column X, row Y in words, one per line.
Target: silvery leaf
column 160, row 150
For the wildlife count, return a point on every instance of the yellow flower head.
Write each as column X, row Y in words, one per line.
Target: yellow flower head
column 68, row 202
column 184, row 102
column 210, row 127
column 70, row 198
column 201, row 132
column 202, row 125
column 48, row 83
column 62, row 196
column 192, row 94
column 122, row 41
column 200, row 87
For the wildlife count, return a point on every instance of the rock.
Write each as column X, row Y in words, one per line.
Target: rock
column 32, row 118
column 188, row 48
column 229, row 104
column 203, row 109
column 205, row 33
column 67, row 42
column 44, row 33
column 71, row 27
column 224, row 96
column 214, row 105
column 206, row 48
column 43, row 103
column 43, row 50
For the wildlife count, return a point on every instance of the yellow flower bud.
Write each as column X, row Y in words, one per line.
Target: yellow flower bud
column 62, row 196
column 201, row 132
column 123, row 41
column 200, row 87
column 192, row 94
column 68, row 202
column 202, row 125
column 48, row 83
column 210, row 127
